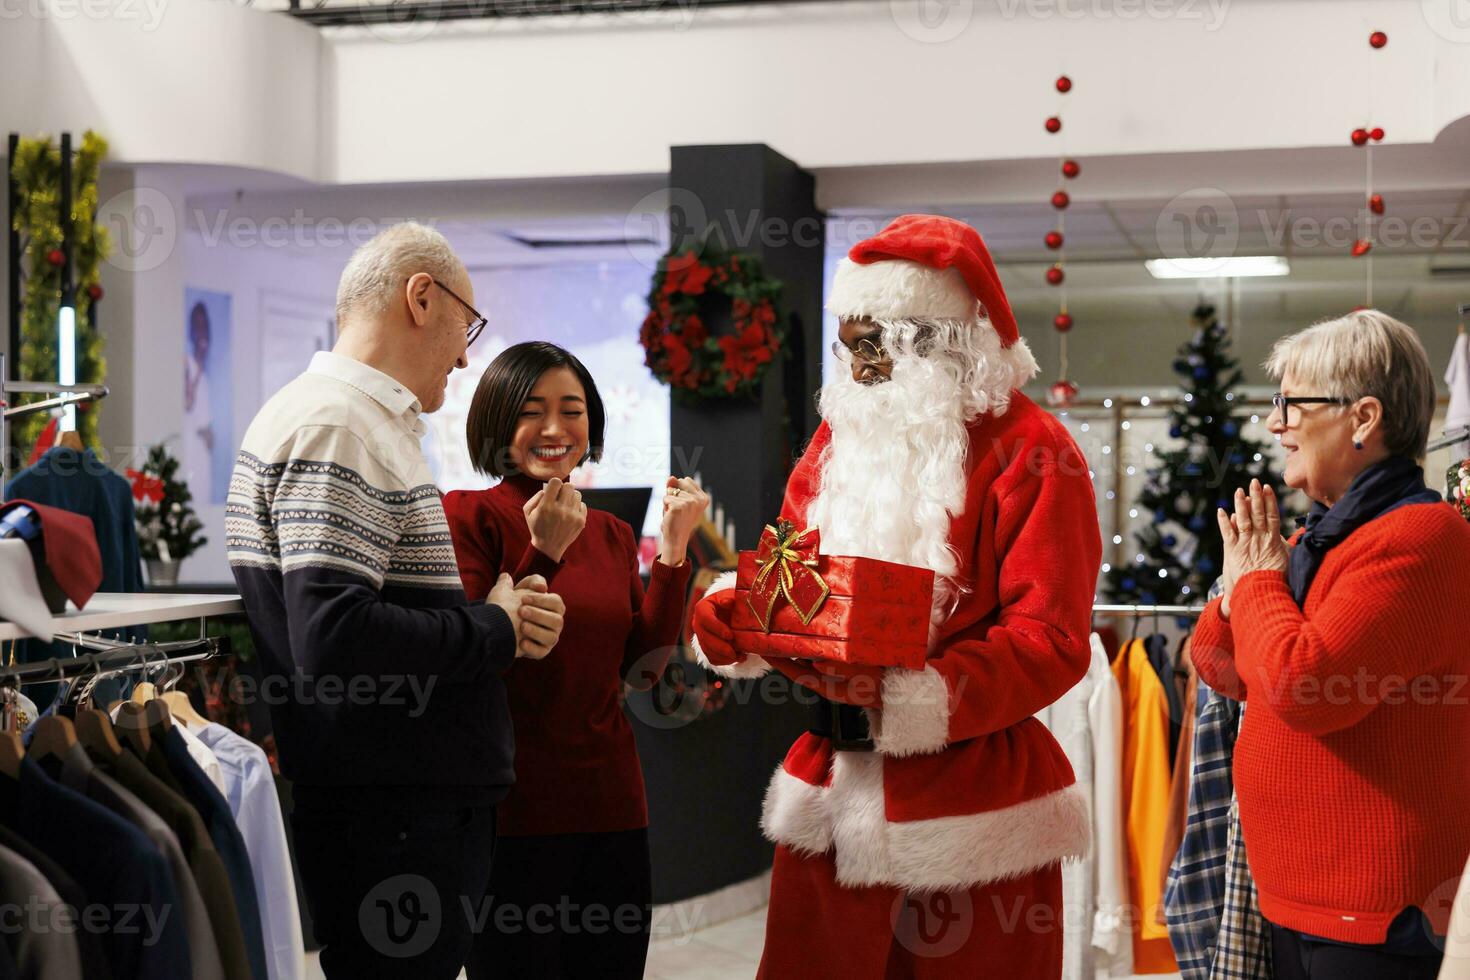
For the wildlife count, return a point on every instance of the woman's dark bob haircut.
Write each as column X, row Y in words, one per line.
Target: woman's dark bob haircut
column 496, row 408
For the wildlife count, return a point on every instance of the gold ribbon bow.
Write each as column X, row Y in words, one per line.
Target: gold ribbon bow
column 786, row 562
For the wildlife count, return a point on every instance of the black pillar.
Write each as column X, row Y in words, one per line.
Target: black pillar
column 706, row 779
column 13, row 258
column 749, row 198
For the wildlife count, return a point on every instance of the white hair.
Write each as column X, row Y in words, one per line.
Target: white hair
column 894, row 473
column 1366, row 354
column 377, row 271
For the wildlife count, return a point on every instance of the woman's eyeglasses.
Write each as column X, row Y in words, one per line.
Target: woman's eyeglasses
column 865, row 352
column 1283, row 404
column 472, row 330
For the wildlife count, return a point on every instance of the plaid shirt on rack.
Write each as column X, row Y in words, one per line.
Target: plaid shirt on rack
column 1243, row 951
column 1194, row 898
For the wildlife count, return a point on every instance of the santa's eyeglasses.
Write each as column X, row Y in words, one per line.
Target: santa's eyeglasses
column 866, row 352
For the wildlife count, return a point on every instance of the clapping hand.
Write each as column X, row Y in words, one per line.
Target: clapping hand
column 555, row 516
column 1252, row 535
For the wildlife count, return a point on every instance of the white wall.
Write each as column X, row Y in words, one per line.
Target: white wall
column 190, row 81
column 252, row 276
column 872, row 83
column 830, row 85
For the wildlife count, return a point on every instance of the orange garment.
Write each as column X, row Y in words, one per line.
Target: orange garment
column 1145, row 803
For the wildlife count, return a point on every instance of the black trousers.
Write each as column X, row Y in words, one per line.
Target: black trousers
column 566, row 907
column 392, row 879
column 1296, row 958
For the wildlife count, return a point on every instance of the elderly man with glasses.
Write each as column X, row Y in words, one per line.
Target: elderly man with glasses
column 384, row 685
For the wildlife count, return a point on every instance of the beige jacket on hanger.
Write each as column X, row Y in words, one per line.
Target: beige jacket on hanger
column 1456, row 964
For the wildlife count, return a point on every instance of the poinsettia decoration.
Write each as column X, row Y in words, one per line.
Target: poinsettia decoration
column 679, row 347
column 168, row 528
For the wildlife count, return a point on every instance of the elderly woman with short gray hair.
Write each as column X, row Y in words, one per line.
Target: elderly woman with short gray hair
column 1351, row 646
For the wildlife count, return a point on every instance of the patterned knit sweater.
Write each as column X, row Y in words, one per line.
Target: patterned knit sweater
column 376, row 670
column 1353, row 765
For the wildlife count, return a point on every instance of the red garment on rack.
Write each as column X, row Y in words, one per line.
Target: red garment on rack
column 44, row 441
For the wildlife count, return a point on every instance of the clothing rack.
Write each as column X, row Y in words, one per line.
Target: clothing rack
column 65, row 395
column 1450, row 437
column 114, row 657
column 1142, row 611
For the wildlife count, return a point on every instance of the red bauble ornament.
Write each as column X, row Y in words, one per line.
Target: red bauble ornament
column 1377, row 39
column 1064, row 84
column 1060, row 200
column 56, row 256
column 1054, row 240
column 1070, row 168
column 1055, row 275
column 1375, row 203
column 1360, row 136
column 94, row 292
column 1063, row 322
column 1377, row 134
column 1361, row 247
column 1053, row 124
column 1062, row 394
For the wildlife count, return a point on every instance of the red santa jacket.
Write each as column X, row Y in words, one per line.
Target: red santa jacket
column 966, row 786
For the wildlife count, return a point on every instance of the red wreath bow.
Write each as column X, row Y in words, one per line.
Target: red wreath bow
column 146, row 487
column 786, row 562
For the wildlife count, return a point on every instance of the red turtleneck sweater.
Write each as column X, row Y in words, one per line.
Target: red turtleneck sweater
column 576, row 763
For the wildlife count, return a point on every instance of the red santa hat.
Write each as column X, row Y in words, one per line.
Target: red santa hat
column 923, row 267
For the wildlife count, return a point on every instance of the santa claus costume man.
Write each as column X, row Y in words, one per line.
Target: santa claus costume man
column 936, row 851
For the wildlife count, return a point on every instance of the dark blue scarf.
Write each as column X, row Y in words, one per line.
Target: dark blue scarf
column 1395, row 482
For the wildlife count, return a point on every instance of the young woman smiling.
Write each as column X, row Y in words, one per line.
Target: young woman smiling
column 571, row 878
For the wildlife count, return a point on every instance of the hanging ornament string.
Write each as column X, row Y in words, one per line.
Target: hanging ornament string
column 1368, row 228
column 1063, row 392
column 1365, row 137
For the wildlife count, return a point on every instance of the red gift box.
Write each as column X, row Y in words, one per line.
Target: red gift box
column 793, row 601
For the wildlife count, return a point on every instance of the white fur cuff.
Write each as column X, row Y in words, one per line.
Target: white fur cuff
column 914, row 718
column 748, row 669
column 794, row 814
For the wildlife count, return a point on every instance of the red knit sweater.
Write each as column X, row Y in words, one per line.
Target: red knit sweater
column 576, row 763
column 1352, row 769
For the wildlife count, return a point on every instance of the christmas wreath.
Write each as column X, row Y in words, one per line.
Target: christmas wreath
column 691, row 289
column 1459, row 487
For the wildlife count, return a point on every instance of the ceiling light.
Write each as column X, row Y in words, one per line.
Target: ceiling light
column 1236, row 267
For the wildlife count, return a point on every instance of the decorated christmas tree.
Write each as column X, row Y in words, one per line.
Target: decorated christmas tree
column 1179, row 554
column 168, row 528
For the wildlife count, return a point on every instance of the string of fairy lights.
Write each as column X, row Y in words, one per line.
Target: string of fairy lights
column 1099, row 445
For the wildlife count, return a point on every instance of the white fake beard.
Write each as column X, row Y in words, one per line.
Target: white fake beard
column 894, row 472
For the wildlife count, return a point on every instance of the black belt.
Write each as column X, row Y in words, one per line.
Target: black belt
column 845, row 724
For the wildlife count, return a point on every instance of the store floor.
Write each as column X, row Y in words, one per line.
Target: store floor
column 728, row 951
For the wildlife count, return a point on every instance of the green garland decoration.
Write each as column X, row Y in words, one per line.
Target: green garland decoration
column 37, row 171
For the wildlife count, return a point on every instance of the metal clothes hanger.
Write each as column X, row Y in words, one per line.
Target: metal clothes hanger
column 11, row 749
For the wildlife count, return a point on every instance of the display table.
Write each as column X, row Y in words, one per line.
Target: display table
column 110, row 610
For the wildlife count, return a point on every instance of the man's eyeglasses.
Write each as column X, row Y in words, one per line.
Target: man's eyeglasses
column 865, row 352
column 472, row 330
column 1283, row 404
